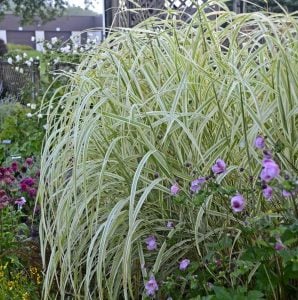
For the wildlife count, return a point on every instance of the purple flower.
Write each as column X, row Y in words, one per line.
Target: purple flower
column 20, row 202
column 237, row 203
column 151, row 243
column 151, row 286
column 170, row 224
column 184, row 264
column 286, row 193
column 259, row 142
column 32, row 192
column 279, row 245
column 267, row 154
column 196, row 185
column 23, row 187
column 175, row 189
column 270, row 170
column 28, row 181
column 219, row 167
column 267, row 192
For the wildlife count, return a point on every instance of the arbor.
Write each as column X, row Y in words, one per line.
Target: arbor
column 270, row 5
column 27, row 9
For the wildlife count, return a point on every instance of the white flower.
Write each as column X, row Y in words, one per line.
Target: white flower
column 25, row 55
column 49, row 46
column 18, row 58
column 65, row 49
column 22, row 201
column 17, row 69
column 28, row 63
column 31, row 59
column 21, row 70
column 33, row 106
column 37, row 57
column 9, row 60
column 45, row 126
column 29, row 104
column 56, row 60
column 32, row 38
column 29, row 115
column 39, row 116
column 54, row 40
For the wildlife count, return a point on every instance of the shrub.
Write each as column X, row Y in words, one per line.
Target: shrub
column 23, row 129
column 13, row 47
column 145, row 115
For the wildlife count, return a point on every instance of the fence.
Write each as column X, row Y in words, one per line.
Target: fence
column 16, row 80
column 124, row 13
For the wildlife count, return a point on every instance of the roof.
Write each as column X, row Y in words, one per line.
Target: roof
column 65, row 23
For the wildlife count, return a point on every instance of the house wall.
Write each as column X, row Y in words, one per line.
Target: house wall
column 12, row 32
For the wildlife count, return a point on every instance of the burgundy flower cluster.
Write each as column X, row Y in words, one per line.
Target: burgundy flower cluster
column 18, row 182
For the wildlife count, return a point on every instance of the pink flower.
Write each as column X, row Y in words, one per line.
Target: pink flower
column 175, row 189
column 267, row 192
column 151, row 286
column 8, row 180
column 219, row 167
column 184, row 264
column 237, row 203
column 270, row 170
column 14, row 166
column 29, row 161
column 196, row 185
column 4, row 201
column 259, row 142
column 151, row 243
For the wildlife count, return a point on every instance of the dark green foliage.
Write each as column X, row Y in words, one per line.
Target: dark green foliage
column 26, row 134
column 28, row 9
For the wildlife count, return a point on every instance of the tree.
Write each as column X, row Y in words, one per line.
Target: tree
column 28, row 9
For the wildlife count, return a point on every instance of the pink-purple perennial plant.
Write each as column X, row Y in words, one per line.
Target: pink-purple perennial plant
column 151, row 243
column 270, row 170
column 175, row 189
column 219, row 167
column 237, row 203
column 184, row 264
column 260, row 142
column 196, row 185
column 267, row 192
column 151, row 286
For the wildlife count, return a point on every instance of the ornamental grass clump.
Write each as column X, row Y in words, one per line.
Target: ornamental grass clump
column 153, row 109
